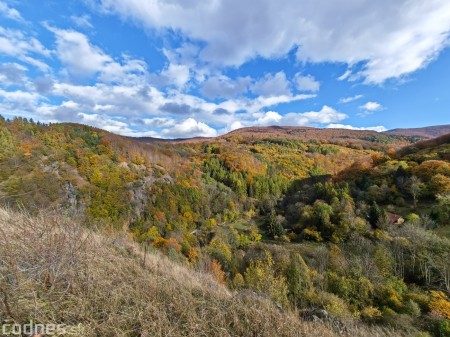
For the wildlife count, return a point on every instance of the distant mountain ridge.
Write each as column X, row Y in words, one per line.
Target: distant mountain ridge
column 424, row 132
column 307, row 132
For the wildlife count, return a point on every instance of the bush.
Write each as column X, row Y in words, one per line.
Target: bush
column 443, row 327
column 412, row 308
column 439, row 304
column 311, row 234
column 335, row 305
column 370, row 313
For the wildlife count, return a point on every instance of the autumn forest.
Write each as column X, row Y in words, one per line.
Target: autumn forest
column 353, row 223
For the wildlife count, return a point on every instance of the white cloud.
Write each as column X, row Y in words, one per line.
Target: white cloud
column 234, row 126
column 224, row 87
column 346, row 75
column 158, row 122
column 77, row 54
column 70, row 111
column 104, row 122
column 19, row 100
column 15, row 43
column 272, row 85
column 324, row 116
column 371, row 107
column 306, row 83
column 391, row 45
column 82, row 21
column 260, row 102
column 350, row 99
column 10, row 13
column 12, row 73
column 349, row 127
column 124, row 100
column 269, row 118
column 153, row 106
column 186, row 54
column 189, row 128
column 175, row 74
column 80, row 58
column 311, row 118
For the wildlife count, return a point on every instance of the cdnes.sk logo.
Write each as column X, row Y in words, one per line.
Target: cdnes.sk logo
column 11, row 328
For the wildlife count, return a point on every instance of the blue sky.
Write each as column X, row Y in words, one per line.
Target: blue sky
column 183, row 68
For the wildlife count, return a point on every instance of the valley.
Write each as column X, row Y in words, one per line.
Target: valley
column 352, row 222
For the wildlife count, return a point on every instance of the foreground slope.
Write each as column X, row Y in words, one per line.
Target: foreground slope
column 54, row 271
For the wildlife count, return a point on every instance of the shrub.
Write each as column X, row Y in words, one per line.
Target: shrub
column 443, row 328
column 370, row 313
column 311, row 234
column 439, row 304
column 261, row 277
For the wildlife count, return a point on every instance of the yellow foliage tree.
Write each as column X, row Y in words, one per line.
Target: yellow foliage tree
column 217, row 272
column 261, row 277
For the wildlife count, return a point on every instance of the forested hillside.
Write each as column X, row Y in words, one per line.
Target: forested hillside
column 355, row 223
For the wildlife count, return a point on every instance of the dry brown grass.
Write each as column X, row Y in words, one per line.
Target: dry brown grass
column 54, row 271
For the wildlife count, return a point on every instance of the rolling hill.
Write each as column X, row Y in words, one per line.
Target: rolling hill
column 425, row 132
column 309, row 133
column 299, row 133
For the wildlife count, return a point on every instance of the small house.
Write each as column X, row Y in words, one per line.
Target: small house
column 394, row 219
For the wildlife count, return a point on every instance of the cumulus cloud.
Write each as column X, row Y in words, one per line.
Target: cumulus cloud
column 371, row 106
column 177, row 109
column 124, row 100
column 83, row 59
column 119, row 94
column 189, row 128
column 102, row 121
column 147, row 102
column 350, row 127
column 122, row 97
column 158, row 122
column 260, row 102
column 311, row 118
column 306, row 83
column 269, row 118
column 43, row 85
column 19, row 100
column 77, row 54
column 350, row 99
column 324, row 116
column 174, row 74
column 12, row 73
column 272, row 85
column 186, row 54
column 224, row 87
column 389, row 46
